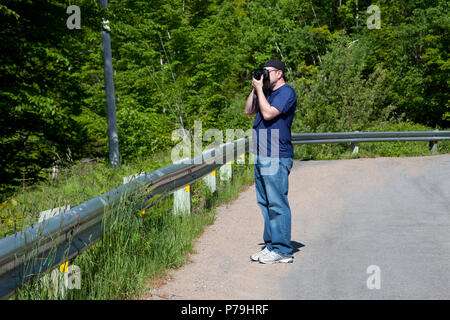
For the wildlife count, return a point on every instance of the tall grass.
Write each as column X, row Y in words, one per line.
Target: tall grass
column 140, row 245
column 75, row 185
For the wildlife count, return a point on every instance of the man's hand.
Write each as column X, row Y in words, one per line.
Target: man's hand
column 267, row 111
column 257, row 83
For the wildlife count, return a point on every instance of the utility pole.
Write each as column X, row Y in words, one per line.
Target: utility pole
column 113, row 136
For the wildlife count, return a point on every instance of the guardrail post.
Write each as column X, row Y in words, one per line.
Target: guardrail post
column 132, row 177
column 354, row 147
column 210, row 180
column 47, row 214
column 182, row 200
column 433, row 145
column 55, row 281
column 241, row 159
column 226, row 172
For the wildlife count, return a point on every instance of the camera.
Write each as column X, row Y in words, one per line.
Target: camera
column 257, row 74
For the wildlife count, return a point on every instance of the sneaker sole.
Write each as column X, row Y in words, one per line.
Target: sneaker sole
column 287, row 260
column 255, row 257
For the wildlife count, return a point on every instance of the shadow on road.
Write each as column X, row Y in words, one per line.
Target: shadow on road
column 295, row 245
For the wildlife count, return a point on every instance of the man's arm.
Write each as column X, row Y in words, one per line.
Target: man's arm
column 249, row 109
column 268, row 112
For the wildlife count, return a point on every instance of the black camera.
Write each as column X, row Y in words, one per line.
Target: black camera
column 257, row 74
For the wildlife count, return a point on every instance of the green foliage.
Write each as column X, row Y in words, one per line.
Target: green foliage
column 142, row 134
column 340, row 97
column 39, row 88
column 177, row 61
column 416, row 51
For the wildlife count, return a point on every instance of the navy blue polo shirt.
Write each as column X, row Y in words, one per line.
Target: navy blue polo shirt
column 285, row 100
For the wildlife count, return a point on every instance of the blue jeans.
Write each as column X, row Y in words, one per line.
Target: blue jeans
column 272, row 184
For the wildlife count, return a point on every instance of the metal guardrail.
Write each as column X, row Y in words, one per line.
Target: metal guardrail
column 355, row 137
column 44, row 246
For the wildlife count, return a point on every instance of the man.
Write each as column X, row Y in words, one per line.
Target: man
column 274, row 154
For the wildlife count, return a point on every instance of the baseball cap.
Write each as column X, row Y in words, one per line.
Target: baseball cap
column 277, row 64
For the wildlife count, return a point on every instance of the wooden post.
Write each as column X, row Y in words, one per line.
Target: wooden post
column 226, row 172
column 433, row 145
column 354, row 147
column 56, row 280
column 44, row 215
column 210, row 180
column 241, row 159
column 182, row 200
column 132, row 177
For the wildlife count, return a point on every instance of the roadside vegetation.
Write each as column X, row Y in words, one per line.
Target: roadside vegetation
column 176, row 62
column 145, row 245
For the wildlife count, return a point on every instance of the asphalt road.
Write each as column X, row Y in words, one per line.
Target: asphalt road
column 362, row 229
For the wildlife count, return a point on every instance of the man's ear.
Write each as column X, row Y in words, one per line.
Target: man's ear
column 282, row 75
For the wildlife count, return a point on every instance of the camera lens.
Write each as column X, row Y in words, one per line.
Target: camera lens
column 257, row 74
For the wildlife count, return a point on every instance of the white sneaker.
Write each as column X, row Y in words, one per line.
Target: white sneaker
column 273, row 257
column 255, row 257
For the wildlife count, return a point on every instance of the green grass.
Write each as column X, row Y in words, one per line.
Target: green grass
column 74, row 186
column 144, row 246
